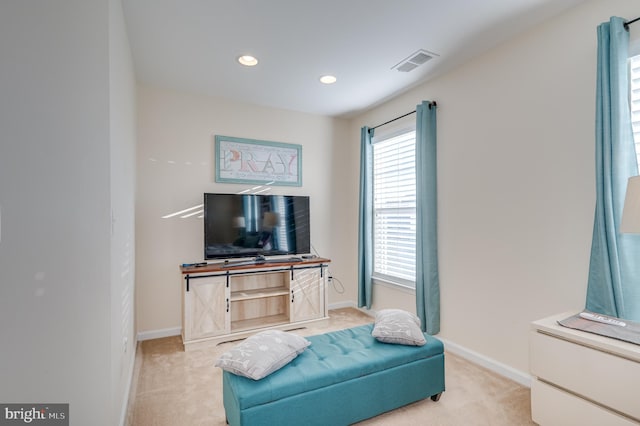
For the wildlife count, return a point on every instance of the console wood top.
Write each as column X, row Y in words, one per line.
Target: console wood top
column 232, row 265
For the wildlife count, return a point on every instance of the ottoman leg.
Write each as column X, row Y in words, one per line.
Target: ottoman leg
column 436, row 397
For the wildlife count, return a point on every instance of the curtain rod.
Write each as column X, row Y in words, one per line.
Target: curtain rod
column 393, row 119
column 402, row 116
column 626, row 24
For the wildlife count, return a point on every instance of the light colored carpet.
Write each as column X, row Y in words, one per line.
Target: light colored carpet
column 172, row 387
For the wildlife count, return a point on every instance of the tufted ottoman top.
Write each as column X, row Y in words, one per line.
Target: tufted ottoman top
column 332, row 358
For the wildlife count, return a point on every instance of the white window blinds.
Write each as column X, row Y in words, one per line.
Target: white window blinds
column 394, row 209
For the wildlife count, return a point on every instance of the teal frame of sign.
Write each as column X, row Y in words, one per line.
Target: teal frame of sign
column 251, row 161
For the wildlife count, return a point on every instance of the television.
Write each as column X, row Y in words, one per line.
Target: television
column 241, row 225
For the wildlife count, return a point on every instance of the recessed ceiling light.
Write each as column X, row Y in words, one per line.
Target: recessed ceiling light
column 247, row 60
column 328, row 79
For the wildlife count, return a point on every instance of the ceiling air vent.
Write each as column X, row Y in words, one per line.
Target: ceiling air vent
column 414, row 60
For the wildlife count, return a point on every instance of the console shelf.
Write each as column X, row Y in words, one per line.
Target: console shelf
column 225, row 301
column 258, row 323
column 258, row 293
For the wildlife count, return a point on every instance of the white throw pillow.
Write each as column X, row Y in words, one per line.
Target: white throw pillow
column 262, row 354
column 399, row 327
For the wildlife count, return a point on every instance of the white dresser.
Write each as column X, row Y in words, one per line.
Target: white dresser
column 580, row 378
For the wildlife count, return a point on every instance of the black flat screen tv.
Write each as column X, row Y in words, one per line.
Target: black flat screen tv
column 237, row 225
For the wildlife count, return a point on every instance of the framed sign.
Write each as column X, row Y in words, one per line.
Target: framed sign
column 257, row 162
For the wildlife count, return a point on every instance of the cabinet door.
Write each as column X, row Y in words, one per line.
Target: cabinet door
column 307, row 295
column 206, row 307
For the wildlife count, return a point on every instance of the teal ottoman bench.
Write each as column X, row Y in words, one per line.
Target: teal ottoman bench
column 343, row 377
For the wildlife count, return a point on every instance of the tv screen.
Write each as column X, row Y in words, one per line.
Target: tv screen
column 237, row 225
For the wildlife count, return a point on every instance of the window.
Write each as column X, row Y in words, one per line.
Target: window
column 634, row 99
column 394, row 209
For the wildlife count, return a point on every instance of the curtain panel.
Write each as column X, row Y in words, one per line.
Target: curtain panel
column 614, row 270
column 427, row 275
column 365, row 224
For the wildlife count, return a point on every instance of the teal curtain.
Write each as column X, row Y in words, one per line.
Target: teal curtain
column 614, row 269
column 365, row 225
column 427, row 277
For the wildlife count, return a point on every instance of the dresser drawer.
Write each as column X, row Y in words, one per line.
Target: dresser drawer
column 611, row 380
column 551, row 406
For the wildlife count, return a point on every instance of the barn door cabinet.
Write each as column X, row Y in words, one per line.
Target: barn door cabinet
column 229, row 301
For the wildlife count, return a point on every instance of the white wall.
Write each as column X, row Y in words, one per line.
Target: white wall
column 175, row 167
column 515, row 180
column 56, row 284
column 122, row 115
column 516, row 184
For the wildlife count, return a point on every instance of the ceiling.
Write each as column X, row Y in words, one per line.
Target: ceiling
column 193, row 45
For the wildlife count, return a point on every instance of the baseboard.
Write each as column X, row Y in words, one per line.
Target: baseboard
column 341, row 305
column 370, row 312
column 350, row 304
column 490, row 364
column 176, row 331
column 157, row 334
column 132, row 371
